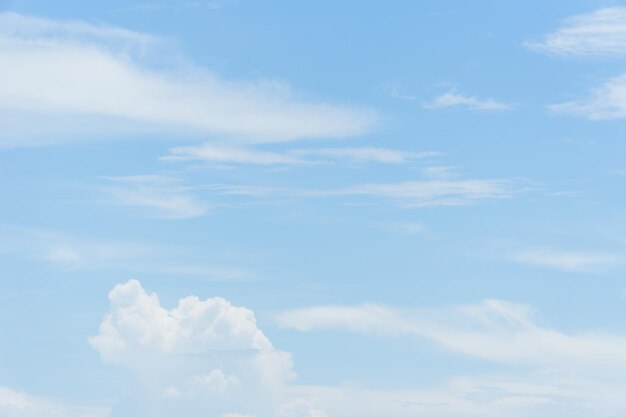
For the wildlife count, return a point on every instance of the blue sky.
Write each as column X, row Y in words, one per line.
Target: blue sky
column 313, row 209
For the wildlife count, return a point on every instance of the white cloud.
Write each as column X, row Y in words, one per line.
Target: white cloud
column 72, row 77
column 599, row 33
column 567, row 261
column 410, row 194
column 413, row 194
column 494, row 330
column 605, row 102
column 157, row 195
column 137, row 325
column 203, row 358
column 452, row 99
column 20, row 404
column 366, row 154
column 221, row 154
column 15, row 27
column 230, row 155
column 199, row 358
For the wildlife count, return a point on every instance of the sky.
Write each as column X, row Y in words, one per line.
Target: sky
column 228, row 208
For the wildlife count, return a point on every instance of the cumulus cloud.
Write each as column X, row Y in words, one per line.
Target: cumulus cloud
column 599, row 33
column 198, row 358
column 69, row 77
column 453, row 99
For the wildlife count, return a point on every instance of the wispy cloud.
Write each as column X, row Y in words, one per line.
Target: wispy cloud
column 410, row 194
column 221, row 154
column 453, row 99
column 157, row 195
column 599, row 33
column 435, row 192
column 605, row 102
column 550, row 371
column 68, row 77
column 493, row 330
column 366, row 154
column 567, row 261
column 230, row 155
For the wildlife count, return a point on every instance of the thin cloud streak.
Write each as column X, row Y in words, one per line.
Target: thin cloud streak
column 409, row 194
column 222, row 154
column 452, row 99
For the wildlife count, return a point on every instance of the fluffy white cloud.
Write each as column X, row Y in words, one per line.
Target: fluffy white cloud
column 66, row 77
column 452, row 99
column 599, row 33
column 137, row 326
column 200, row 358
